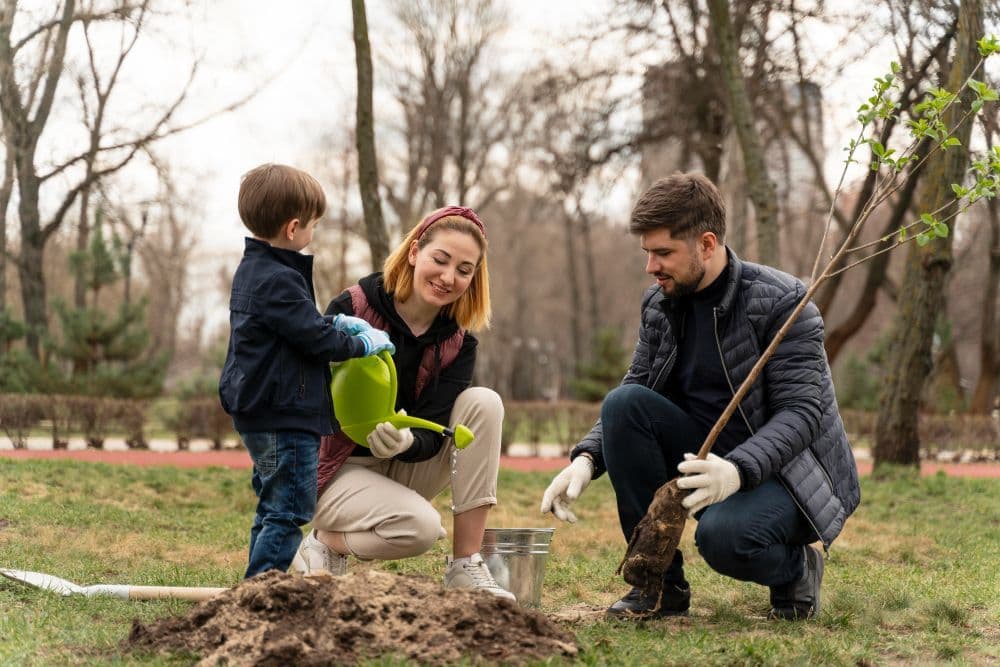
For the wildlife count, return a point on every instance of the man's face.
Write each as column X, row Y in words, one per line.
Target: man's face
column 676, row 264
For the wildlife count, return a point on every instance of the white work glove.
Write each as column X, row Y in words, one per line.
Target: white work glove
column 387, row 441
column 375, row 341
column 350, row 325
column 714, row 479
column 567, row 487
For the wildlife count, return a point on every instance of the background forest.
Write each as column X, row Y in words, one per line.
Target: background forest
column 113, row 281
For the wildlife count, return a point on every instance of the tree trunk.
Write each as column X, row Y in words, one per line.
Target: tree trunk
column 921, row 294
column 759, row 185
column 6, row 189
column 378, row 237
column 876, row 274
column 575, row 305
column 30, row 266
column 989, row 337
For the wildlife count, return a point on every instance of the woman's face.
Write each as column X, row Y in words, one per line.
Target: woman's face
column 443, row 269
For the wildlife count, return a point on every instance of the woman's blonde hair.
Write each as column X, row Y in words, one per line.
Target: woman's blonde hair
column 472, row 310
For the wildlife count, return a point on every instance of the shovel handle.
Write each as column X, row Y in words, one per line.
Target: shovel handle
column 192, row 593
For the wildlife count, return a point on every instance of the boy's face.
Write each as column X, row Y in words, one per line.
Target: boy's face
column 295, row 235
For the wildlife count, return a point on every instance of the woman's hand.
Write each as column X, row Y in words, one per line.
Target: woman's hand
column 387, row 441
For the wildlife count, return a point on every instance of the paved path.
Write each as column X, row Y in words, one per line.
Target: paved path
column 237, row 458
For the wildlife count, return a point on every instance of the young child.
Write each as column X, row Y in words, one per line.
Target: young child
column 275, row 382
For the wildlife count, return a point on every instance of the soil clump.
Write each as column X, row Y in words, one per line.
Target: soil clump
column 286, row 619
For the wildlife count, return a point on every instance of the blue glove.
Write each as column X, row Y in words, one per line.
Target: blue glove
column 350, row 325
column 375, row 341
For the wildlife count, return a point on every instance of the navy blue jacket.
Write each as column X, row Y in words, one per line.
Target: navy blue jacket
column 277, row 371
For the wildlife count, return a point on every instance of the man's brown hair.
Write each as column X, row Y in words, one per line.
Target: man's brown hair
column 273, row 194
column 687, row 205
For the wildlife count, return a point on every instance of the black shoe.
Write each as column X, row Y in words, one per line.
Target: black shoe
column 674, row 601
column 800, row 599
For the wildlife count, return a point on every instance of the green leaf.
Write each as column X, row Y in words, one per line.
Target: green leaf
column 950, row 141
column 976, row 105
column 988, row 45
column 941, row 230
column 928, row 218
column 922, row 239
column 958, row 190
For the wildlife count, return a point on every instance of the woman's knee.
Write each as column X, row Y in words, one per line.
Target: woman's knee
column 422, row 531
column 482, row 400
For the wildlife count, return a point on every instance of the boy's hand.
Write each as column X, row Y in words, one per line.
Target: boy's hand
column 350, row 325
column 376, row 341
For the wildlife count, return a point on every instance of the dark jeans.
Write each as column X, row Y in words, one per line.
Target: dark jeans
column 284, row 479
column 752, row 536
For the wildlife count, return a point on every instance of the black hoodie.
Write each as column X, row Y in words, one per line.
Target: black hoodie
column 438, row 397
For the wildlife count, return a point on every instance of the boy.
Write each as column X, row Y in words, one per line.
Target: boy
column 275, row 382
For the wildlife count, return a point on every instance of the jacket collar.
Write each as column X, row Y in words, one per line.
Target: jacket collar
column 735, row 269
column 296, row 260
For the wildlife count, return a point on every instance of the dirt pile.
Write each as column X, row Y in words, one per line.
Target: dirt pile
column 284, row 619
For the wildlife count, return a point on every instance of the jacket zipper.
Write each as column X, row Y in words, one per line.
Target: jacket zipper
column 725, row 371
column 663, row 368
column 302, row 382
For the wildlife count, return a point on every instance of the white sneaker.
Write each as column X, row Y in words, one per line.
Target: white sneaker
column 313, row 556
column 473, row 573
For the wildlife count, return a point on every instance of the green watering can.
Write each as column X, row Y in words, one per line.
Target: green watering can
column 364, row 395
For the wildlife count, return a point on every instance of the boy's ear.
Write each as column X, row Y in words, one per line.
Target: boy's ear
column 292, row 226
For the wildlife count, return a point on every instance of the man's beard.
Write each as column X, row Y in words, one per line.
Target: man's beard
column 688, row 286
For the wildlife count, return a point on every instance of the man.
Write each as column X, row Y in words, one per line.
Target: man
column 781, row 475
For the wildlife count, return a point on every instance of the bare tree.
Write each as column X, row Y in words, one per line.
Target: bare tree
column 896, row 438
column 759, row 186
column 989, row 337
column 378, row 237
column 455, row 108
column 31, row 68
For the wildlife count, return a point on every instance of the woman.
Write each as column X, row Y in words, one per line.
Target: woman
column 374, row 502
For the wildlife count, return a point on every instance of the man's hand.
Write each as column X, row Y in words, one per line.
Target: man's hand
column 567, row 487
column 713, row 480
column 387, row 441
column 350, row 325
column 376, row 341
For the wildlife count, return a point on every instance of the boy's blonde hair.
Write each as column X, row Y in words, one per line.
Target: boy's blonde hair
column 472, row 310
column 273, row 194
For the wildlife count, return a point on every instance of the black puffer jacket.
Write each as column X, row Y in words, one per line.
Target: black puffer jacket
column 791, row 410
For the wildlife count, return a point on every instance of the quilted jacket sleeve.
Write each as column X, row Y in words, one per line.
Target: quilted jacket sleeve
column 637, row 373
column 793, row 379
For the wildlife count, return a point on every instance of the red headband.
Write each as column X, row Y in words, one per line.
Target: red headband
column 460, row 211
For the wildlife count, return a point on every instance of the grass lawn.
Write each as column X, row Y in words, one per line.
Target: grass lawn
column 913, row 578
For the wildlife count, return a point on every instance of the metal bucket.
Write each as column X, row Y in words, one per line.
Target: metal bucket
column 516, row 558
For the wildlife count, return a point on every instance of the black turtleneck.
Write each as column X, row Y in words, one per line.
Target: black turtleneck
column 697, row 382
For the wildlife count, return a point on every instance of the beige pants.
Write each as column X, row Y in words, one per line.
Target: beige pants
column 382, row 506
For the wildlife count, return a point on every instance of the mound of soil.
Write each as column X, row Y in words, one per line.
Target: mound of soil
column 285, row 619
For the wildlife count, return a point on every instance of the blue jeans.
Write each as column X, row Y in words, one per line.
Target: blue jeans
column 752, row 536
column 284, row 480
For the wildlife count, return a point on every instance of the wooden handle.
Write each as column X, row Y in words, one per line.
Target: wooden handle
column 193, row 593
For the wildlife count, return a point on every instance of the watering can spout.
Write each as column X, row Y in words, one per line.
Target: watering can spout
column 364, row 395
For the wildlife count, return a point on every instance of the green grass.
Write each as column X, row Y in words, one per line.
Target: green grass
column 913, row 578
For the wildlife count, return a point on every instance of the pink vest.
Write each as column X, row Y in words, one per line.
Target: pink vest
column 334, row 449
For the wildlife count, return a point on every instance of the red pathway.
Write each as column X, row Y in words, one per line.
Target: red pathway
column 236, row 458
